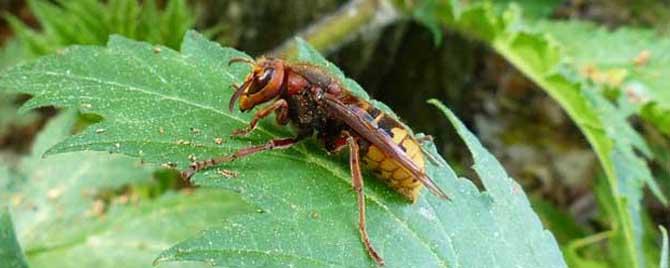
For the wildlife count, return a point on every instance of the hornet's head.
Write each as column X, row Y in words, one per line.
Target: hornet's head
column 263, row 84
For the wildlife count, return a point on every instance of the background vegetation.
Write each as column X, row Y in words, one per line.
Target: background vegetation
column 570, row 96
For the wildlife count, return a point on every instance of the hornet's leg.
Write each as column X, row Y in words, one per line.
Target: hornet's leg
column 357, row 181
column 281, row 115
column 272, row 144
column 278, row 106
column 423, row 139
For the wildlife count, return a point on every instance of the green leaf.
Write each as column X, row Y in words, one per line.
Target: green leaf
column 50, row 196
column 167, row 107
column 540, row 57
column 11, row 255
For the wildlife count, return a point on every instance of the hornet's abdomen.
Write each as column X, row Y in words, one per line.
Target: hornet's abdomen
column 386, row 167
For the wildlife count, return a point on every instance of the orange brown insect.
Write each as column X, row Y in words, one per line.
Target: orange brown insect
column 316, row 104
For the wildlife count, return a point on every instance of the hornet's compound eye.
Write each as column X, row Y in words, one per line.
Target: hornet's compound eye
column 261, row 81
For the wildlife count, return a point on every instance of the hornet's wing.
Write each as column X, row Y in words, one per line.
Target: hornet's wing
column 361, row 122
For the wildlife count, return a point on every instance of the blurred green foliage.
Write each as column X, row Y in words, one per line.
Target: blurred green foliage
column 70, row 22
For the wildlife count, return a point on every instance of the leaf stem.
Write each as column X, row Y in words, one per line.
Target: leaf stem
column 589, row 240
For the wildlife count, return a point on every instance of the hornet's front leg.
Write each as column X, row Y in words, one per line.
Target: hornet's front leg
column 270, row 145
column 280, row 106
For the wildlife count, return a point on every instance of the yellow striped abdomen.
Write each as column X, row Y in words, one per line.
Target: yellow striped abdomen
column 392, row 172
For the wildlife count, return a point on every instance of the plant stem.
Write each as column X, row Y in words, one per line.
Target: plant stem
column 340, row 27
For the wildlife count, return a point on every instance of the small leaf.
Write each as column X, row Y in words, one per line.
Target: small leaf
column 11, row 255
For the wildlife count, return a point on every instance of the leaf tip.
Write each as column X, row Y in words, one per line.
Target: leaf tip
column 56, row 149
column 165, row 256
column 158, row 261
column 193, row 34
column 439, row 105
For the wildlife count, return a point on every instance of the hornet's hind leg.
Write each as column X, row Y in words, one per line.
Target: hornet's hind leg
column 357, row 181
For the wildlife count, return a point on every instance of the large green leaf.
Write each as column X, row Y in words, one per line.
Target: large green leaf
column 540, row 57
column 169, row 107
column 60, row 208
column 11, row 255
